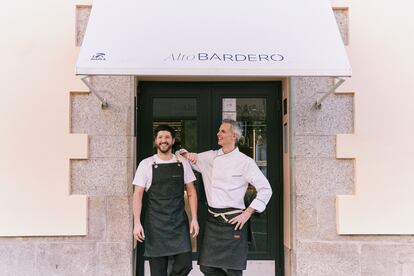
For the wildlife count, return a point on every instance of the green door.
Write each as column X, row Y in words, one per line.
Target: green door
column 195, row 110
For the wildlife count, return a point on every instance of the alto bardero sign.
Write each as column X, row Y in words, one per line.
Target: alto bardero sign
column 220, row 57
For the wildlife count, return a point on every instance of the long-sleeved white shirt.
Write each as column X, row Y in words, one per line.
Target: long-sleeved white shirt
column 227, row 176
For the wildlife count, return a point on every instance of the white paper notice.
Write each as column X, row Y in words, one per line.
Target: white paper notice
column 229, row 105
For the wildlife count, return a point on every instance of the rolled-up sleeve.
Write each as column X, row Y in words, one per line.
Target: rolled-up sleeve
column 255, row 177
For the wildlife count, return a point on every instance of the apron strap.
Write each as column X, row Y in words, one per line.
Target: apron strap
column 223, row 215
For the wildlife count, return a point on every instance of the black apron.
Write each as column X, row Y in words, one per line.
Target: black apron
column 223, row 246
column 166, row 222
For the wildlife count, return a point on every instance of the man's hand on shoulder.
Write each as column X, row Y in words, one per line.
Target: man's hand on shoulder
column 192, row 157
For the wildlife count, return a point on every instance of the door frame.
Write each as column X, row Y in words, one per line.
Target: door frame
column 273, row 101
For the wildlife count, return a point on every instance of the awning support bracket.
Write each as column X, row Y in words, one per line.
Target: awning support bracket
column 339, row 82
column 104, row 103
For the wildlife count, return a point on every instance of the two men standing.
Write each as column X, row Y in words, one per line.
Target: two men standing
column 226, row 175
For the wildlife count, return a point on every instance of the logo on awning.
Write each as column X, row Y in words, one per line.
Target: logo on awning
column 221, row 57
column 98, row 56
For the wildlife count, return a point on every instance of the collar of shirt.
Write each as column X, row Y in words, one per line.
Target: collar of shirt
column 158, row 160
column 235, row 151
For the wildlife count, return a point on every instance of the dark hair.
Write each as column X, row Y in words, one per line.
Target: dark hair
column 164, row 128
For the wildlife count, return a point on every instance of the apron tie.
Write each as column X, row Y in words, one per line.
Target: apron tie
column 223, row 215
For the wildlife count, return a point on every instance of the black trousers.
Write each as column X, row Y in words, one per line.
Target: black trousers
column 215, row 271
column 182, row 265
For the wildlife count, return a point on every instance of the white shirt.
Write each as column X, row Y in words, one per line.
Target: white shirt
column 227, row 176
column 143, row 175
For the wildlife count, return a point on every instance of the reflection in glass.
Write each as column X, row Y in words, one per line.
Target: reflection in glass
column 174, row 108
column 251, row 115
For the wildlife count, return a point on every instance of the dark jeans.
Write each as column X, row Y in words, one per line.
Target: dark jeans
column 181, row 266
column 215, row 271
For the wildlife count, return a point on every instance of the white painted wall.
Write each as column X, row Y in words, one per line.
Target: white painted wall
column 38, row 57
column 381, row 53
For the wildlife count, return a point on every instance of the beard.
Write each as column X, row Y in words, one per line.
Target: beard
column 165, row 149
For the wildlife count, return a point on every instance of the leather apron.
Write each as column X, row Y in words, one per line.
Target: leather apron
column 166, row 222
column 223, row 246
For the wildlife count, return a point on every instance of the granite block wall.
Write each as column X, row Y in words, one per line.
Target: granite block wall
column 318, row 177
column 107, row 175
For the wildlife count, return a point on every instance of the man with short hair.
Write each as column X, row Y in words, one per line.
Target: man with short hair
column 167, row 231
column 226, row 175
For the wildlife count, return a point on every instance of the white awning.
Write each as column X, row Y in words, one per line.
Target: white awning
column 213, row 38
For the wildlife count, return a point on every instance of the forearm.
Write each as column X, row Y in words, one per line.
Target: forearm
column 192, row 200
column 137, row 205
column 250, row 210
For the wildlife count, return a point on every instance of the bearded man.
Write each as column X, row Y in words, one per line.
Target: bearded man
column 167, row 230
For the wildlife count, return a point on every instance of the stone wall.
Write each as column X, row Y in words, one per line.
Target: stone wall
column 318, row 177
column 106, row 176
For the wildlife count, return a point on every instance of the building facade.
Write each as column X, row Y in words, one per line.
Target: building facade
column 342, row 203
